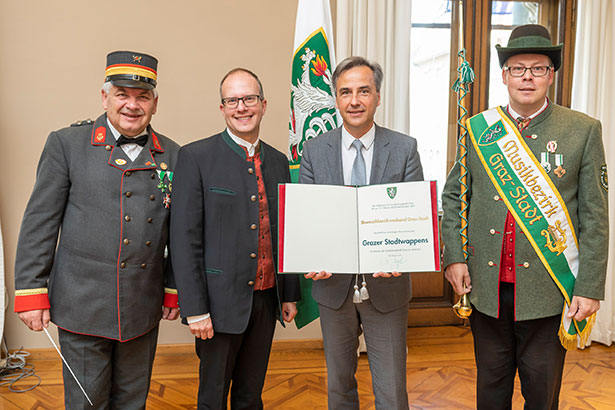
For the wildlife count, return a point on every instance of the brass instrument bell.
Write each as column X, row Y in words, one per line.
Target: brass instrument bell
column 463, row 308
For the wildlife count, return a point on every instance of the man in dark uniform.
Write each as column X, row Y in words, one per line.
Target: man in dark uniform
column 224, row 246
column 537, row 229
column 106, row 186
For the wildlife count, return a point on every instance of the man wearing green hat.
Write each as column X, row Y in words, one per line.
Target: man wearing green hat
column 104, row 187
column 537, row 229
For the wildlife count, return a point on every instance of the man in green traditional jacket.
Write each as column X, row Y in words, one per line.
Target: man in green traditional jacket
column 537, row 229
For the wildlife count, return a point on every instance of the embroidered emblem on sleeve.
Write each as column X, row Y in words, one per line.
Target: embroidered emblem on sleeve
column 604, row 179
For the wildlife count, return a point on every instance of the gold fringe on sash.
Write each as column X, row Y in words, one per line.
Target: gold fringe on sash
column 571, row 342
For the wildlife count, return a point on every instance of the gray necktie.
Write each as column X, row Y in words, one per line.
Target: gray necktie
column 358, row 176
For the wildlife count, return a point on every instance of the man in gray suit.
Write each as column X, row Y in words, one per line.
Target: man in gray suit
column 358, row 152
column 104, row 187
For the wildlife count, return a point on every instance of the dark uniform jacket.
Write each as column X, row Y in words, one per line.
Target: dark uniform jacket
column 108, row 274
column 213, row 245
column 584, row 190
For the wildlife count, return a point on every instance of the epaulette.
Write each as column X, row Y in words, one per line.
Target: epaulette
column 80, row 123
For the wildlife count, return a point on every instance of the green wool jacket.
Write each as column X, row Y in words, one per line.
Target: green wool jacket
column 584, row 190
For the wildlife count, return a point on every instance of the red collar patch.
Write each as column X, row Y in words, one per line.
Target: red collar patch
column 99, row 135
column 156, row 143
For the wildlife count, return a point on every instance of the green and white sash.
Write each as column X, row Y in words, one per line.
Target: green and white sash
column 536, row 205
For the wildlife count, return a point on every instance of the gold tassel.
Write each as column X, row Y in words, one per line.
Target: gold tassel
column 584, row 336
column 571, row 342
column 567, row 340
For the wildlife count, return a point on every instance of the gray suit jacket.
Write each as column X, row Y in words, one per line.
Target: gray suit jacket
column 395, row 160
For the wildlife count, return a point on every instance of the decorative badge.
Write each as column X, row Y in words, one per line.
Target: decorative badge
column 559, row 163
column 493, row 133
column 551, row 146
column 392, row 191
column 556, row 238
column 604, row 179
column 163, row 166
column 166, row 201
column 99, row 134
column 120, row 161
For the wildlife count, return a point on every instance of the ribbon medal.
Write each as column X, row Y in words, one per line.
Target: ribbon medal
column 161, row 185
column 559, row 162
column 544, row 161
column 559, row 159
column 166, row 200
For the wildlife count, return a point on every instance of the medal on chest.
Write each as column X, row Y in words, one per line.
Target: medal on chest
column 559, row 159
column 165, row 184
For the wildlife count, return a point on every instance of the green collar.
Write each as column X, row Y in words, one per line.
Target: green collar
column 239, row 150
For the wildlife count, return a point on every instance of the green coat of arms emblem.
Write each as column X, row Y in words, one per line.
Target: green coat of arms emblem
column 492, row 134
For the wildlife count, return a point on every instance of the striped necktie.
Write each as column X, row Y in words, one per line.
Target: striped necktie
column 522, row 123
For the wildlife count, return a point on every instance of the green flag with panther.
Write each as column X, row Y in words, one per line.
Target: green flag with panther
column 312, row 103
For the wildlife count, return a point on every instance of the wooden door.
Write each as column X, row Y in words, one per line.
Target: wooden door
column 432, row 299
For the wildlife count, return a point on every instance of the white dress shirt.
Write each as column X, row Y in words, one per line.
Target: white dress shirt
column 132, row 150
column 249, row 146
column 516, row 115
column 349, row 153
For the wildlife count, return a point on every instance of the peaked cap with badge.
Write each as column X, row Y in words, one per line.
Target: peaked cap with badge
column 130, row 69
column 530, row 39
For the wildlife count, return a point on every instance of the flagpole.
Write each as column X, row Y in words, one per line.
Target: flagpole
column 461, row 87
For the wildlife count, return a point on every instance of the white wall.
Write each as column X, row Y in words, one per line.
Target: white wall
column 52, row 67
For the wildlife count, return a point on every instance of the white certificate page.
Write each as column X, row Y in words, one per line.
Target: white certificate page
column 317, row 229
column 398, row 228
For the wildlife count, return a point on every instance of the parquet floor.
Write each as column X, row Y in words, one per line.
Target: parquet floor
column 441, row 375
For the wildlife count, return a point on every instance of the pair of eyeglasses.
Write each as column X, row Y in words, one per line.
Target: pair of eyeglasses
column 537, row 71
column 248, row 101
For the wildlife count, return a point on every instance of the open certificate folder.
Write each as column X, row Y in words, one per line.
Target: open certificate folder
column 342, row 229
